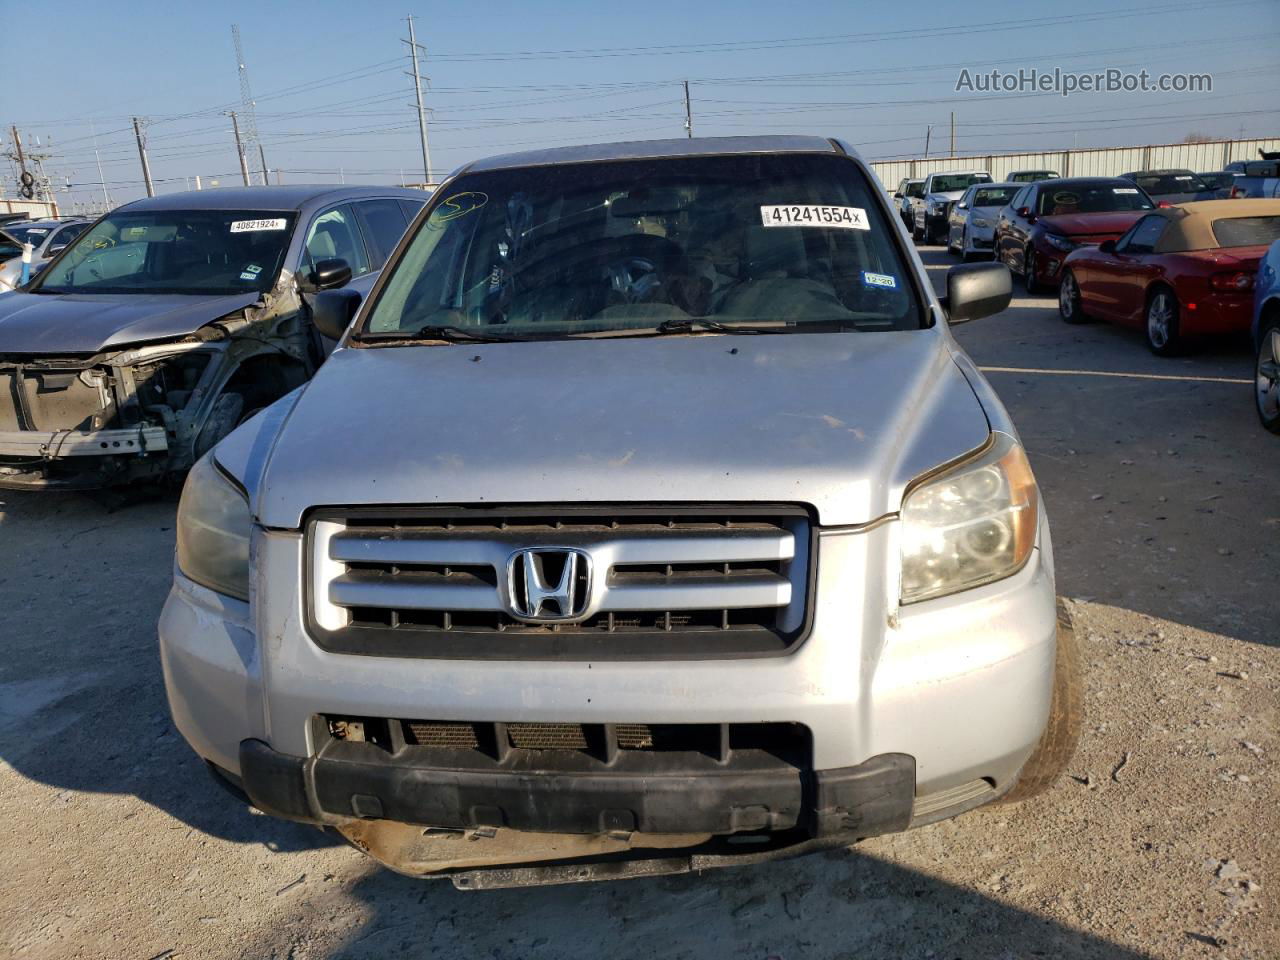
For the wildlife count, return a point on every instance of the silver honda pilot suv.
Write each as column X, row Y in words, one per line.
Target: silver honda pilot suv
column 646, row 519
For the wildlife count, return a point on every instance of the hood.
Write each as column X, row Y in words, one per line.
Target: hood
column 1104, row 225
column 86, row 323
column 991, row 212
column 842, row 422
column 951, row 196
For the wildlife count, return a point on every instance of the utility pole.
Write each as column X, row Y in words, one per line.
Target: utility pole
column 247, row 107
column 688, row 113
column 17, row 146
column 244, row 167
column 27, row 182
column 142, row 155
column 414, row 46
column 953, row 133
column 927, row 135
column 102, row 181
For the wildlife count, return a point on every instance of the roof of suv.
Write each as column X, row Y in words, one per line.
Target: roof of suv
column 647, row 149
column 267, row 198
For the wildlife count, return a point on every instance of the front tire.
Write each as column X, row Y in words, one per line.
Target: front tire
column 1034, row 287
column 1267, row 374
column 1070, row 307
column 1057, row 745
column 1163, row 336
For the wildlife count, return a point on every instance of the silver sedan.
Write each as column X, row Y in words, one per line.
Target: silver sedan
column 971, row 225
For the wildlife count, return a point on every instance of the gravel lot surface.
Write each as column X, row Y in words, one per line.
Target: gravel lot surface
column 1163, row 842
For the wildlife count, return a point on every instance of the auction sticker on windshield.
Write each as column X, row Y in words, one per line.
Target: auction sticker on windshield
column 842, row 218
column 1124, row 189
column 248, row 226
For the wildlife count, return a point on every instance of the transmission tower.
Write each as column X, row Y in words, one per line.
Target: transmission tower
column 247, row 112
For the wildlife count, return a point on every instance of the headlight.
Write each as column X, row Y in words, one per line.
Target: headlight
column 1060, row 243
column 979, row 222
column 970, row 526
column 213, row 531
column 935, row 206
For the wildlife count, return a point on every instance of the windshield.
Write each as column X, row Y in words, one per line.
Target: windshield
column 1218, row 181
column 1102, row 196
column 174, row 251
column 1032, row 176
column 993, row 196
column 1158, row 184
column 776, row 240
column 32, row 235
column 957, row 181
column 1246, row 231
column 915, row 188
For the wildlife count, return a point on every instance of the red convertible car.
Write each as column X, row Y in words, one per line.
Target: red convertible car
column 1178, row 272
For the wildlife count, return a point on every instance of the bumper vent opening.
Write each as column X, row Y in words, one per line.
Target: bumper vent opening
column 451, row 741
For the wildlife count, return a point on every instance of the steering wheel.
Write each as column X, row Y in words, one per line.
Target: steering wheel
column 642, row 268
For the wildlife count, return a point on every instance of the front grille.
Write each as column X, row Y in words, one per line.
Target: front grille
column 654, row 582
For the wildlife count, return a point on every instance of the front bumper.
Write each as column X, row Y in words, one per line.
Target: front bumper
column 957, row 687
column 348, row 780
column 57, row 444
column 78, row 460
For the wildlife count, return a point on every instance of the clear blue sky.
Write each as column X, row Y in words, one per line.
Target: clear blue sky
column 333, row 99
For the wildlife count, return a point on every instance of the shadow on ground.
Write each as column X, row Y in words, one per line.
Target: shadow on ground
column 91, row 715
column 835, row 906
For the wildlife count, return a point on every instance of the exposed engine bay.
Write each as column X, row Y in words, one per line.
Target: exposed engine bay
column 146, row 411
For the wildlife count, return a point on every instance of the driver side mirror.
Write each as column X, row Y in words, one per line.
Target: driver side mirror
column 1107, row 246
column 977, row 290
column 1026, row 214
column 897, row 195
column 328, row 274
column 333, row 310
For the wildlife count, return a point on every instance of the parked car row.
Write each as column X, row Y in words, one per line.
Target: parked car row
column 1176, row 254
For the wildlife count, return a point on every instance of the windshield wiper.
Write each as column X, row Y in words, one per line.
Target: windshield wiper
column 446, row 333
column 691, row 324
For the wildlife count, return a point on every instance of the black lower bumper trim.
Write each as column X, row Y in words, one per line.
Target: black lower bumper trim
column 867, row 800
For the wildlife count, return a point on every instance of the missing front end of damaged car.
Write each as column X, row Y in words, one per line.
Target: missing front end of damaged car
column 140, row 413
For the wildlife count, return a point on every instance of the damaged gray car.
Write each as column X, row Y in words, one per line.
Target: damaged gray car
column 172, row 320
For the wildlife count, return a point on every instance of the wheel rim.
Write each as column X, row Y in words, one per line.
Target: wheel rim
column 1268, row 378
column 1066, row 296
column 1159, row 315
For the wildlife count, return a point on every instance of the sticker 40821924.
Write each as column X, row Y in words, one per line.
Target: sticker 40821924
column 812, row 215
column 248, row 226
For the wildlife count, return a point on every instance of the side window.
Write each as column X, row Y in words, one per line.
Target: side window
column 1143, row 236
column 411, row 208
column 67, row 234
column 384, row 224
column 334, row 234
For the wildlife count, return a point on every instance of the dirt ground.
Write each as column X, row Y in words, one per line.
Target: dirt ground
column 1163, row 842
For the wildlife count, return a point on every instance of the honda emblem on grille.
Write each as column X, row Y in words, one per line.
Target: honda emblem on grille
column 549, row 584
